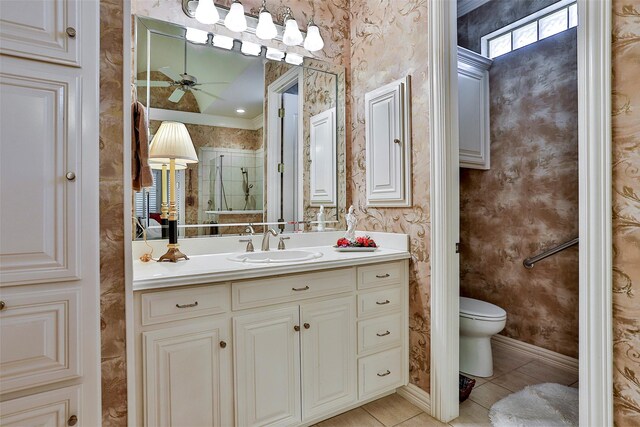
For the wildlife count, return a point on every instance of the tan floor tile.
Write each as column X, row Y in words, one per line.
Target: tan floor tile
column 514, row 380
column 355, row 418
column 488, row 394
column 471, row 415
column 392, row 410
column 422, row 420
column 548, row 373
column 506, row 361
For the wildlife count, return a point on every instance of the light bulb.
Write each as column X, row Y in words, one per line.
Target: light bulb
column 266, row 29
column 206, row 12
column 292, row 35
column 314, row 41
column 197, row 36
column 252, row 49
column 274, row 54
column 235, row 20
column 223, row 41
column 294, row 59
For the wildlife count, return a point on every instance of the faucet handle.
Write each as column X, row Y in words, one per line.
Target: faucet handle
column 249, row 243
column 250, row 230
column 281, row 243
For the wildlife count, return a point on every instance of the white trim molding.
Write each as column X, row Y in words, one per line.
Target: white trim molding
column 206, row 119
column 531, row 351
column 416, row 396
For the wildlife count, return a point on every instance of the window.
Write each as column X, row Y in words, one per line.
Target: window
column 545, row 23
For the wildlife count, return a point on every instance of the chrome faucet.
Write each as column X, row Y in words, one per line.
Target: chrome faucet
column 265, row 238
column 250, row 230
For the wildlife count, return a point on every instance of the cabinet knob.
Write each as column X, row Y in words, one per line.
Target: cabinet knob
column 306, row 326
column 71, row 176
column 73, row 420
column 71, row 32
column 397, row 141
column 296, row 328
column 223, row 344
column 2, row 305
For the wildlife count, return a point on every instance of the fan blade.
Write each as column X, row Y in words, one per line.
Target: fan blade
column 167, row 71
column 177, row 95
column 212, row 83
column 207, row 93
column 153, row 83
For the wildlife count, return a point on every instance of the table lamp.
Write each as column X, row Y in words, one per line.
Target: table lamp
column 172, row 141
column 163, row 165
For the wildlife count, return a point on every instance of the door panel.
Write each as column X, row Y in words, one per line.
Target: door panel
column 49, row 409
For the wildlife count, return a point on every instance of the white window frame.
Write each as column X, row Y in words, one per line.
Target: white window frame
column 534, row 17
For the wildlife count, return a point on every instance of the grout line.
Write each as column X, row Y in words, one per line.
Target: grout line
column 374, row 417
column 417, row 415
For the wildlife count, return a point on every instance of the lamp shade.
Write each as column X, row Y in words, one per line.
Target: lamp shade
column 235, row 20
column 172, row 141
column 156, row 164
column 206, row 12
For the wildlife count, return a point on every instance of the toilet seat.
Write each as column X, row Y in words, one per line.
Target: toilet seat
column 481, row 310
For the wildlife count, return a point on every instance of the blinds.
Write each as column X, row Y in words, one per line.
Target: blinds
column 149, row 200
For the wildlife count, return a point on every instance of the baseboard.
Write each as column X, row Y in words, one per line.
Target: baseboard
column 417, row 396
column 539, row 353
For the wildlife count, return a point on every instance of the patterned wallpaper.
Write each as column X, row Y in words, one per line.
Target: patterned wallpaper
column 383, row 49
column 626, row 211
column 528, row 201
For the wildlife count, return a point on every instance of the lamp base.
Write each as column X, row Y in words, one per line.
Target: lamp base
column 172, row 255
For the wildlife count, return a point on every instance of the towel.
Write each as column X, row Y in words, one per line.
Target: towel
column 140, row 171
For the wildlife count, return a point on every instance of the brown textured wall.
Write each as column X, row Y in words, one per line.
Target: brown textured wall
column 528, row 200
column 389, row 41
column 626, row 211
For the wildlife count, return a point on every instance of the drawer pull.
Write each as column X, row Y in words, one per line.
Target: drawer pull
column 385, row 374
column 306, row 288
column 306, row 326
column 384, row 334
column 223, row 344
column 195, row 304
column 382, row 276
column 2, row 305
column 383, row 302
column 296, row 328
column 73, row 420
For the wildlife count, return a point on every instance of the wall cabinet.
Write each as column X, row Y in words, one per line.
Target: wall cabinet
column 322, row 146
column 473, row 109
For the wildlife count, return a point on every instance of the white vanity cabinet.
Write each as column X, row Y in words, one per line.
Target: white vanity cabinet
column 300, row 347
column 473, row 109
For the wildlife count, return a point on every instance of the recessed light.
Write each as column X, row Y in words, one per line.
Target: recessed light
column 240, row 111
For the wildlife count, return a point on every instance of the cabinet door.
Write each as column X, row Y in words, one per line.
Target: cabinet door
column 188, row 375
column 322, row 146
column 40, row 125
column 328, row 355
column 49, row 409
column 267, row 368
column 42, row 30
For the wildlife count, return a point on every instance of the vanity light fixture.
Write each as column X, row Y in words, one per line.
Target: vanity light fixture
column 223, row 42
column 197, row 36
column 252, row 49
column 235, row 20
column 172, row 141
column 206, row 12
column 314, row 41
column 292, row 35
column 274, row 54
column 293, row 59
column 266, row 29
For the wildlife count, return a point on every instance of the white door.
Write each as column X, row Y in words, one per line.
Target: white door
column 322, row 153
column 43, row 30
column 188, row 375
column 328, row 355
column 58, row 408
column 267, row 368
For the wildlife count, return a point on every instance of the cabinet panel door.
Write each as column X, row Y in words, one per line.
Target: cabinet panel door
column 328, row 355
column 323, row 158
column 40, row 124
column 267, row 368
column 188, row 375
column 48, row 409
column 38, row 30
column 40, row 338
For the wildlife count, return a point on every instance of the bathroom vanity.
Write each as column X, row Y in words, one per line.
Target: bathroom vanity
column 220, row 342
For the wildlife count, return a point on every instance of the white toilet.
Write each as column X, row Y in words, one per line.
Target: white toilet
column 479, row 321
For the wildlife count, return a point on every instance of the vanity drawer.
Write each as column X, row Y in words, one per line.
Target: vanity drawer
column 379, row 333
column 384, row 300
column 187, row 303
column 379, row 373
column 380, row 274
column 262, row 292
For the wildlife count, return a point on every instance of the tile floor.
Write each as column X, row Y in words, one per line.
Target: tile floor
column 512, row 372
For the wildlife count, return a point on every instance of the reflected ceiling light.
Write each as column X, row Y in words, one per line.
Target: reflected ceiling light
column 206, row 12
column 274, row 54
column 240, row 111
column 314, row 41
column 292, row 35
column 197, row 36
column 266, row 29
column 223, row 41
column 294, row 59
column 235, row 20
column 252, row 49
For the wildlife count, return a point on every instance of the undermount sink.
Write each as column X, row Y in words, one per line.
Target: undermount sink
column 276, row 256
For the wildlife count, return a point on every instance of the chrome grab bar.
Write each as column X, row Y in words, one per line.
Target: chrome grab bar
column 529, row 262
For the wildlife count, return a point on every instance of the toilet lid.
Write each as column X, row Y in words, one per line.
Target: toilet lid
column 474, row 308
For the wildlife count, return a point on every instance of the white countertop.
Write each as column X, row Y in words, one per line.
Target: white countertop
column 209, row 268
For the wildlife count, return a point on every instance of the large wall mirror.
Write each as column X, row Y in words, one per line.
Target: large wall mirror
column 269, row 135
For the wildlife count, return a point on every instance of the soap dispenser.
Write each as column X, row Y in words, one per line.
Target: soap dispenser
column 321, row 219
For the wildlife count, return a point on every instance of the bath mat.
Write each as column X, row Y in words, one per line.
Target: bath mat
column 544, row 405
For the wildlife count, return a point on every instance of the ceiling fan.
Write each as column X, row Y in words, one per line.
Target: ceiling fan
column 182, row 83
